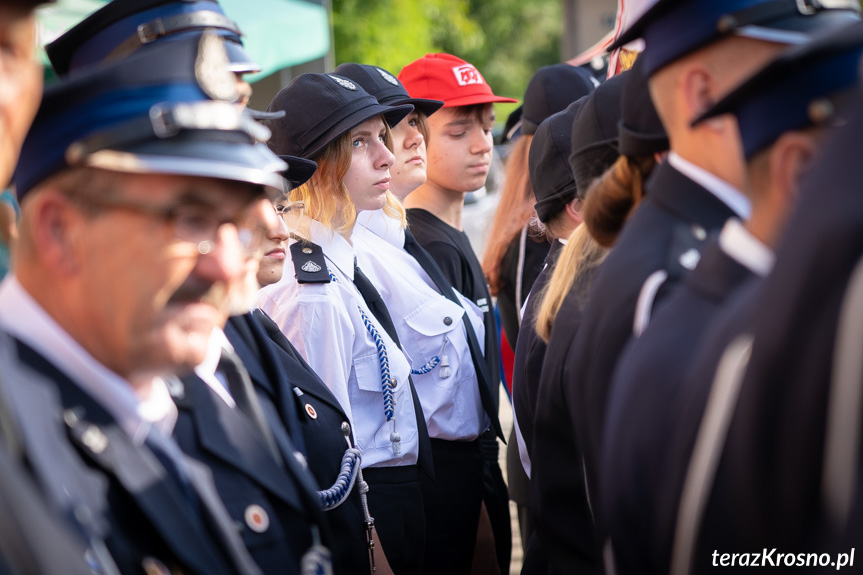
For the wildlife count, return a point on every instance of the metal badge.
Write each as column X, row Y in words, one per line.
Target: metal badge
column 311, row 267
column 387, row 76
column 311, row 411
column 256, row 518
column 94, row 439
column 346, row 84
column 211, row 69
column 689, row 259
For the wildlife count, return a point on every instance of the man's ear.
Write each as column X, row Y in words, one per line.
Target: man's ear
column 790, row 160
column 573, row 210
column 54, row 230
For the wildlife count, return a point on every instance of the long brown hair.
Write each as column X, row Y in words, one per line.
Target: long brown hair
column 514, row 211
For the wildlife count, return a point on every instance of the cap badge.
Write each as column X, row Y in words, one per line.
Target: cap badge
column 387, row 76
column 311, row 267
column 256, row 518
column 346, row 84
column 466, row 75
column 211, row 69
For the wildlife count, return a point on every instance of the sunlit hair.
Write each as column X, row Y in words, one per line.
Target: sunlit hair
column 514, row 212
column 613, row 197
column 325, row 195
column 579, row 256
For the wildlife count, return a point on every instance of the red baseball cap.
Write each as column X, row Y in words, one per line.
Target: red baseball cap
column 448, row 78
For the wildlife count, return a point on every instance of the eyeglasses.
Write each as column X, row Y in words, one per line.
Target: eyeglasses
column 193, row 223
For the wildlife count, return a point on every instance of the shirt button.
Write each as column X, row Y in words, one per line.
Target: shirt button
column 447, row 320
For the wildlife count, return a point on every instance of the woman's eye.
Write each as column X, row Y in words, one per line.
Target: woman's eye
column 413, row 122
column 382, row 136
column 358, row 143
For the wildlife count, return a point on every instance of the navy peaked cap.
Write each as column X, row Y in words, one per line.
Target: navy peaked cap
column 800, row 89
column 672, row 29
column 165, row 110
column 122, row 27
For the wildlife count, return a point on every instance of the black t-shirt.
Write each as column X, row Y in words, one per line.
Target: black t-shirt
column 452, row 251
column 534, row 260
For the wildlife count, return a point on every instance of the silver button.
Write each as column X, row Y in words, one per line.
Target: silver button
column 699, row 232
column 394, row 382
column 447, row 320
column 307, row 250
column 346, row 428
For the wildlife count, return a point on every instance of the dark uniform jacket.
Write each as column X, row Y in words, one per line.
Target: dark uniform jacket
column 152, row 522
column 773, row 461
column 263, row 497
column 664, row 234
column 530, row 353
column 293, row 396
column 643, row 409
column 558, row 495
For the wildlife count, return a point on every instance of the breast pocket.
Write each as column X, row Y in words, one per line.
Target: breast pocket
column 367, row 404
column 436, row 330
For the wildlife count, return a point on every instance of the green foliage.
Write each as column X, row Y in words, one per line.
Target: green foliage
column 507, row 40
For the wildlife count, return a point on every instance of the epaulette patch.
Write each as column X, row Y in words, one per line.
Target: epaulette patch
column 309, row 264
column 685, row 250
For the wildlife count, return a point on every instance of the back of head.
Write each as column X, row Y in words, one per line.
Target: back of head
column 551, row 90
column 640, row 130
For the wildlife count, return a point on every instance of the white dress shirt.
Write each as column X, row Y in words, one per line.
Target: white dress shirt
column 750, row 252
column 427, row 323
column 727, row 194
column 23, row 318
column 323, row 322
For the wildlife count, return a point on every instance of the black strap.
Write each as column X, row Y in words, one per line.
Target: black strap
column 377, row 306
column 243, row 392
column 445, row 287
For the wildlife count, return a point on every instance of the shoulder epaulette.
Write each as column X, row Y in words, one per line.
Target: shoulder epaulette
column 309, row 264
column 685, row 249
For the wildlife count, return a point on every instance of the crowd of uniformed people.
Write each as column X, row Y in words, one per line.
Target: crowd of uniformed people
column 243, row 341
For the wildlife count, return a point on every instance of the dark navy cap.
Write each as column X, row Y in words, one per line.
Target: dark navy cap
column 548, row 162
column 594, row 134
column 672, row 29
column 157, row 111
column 512, row 127
column 299, row 171
column 122, row 27
column 385, row 87
column 551, row 90
column 319, row 108
column 796, row 91
column 640, row 130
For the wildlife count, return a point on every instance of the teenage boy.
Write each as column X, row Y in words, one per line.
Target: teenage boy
column 459, row 156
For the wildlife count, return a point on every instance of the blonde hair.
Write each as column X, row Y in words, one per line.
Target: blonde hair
column 325, row 195
column 580, row 255
column 514, row 211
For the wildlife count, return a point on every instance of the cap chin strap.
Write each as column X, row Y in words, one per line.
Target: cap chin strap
column 777, row 9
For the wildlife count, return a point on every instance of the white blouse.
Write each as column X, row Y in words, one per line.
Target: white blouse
column 429, row 325
column 324, row 323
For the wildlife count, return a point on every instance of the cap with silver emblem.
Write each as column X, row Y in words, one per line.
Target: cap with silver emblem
column 672, row 29
column 385, row 87
column 154, row 112
column 123, row 27
column 319, row 109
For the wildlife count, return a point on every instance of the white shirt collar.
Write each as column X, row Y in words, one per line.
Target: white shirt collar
column 22, row 317
column 383, row 226
column 739, row 243
column 335, row 247
column 728, row 194
column 207, row 369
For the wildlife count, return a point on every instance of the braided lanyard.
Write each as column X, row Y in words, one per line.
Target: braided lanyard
column 386, row 377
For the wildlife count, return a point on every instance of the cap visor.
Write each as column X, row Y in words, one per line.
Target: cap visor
column 251, row 164
column 478, row 99
column 392, row 114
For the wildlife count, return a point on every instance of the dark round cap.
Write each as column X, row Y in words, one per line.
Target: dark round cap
column 640, row 130
column 548, row 161
column 551, row 90
column 800, row 89
column 385, row 87
column 153, row 112
column 319, row 108
column 594, row 134
column 672, row 29
column 123, row 27
column 299, row 171
column 512, row 127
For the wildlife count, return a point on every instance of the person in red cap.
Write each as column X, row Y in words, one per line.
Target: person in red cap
column 459, row 156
